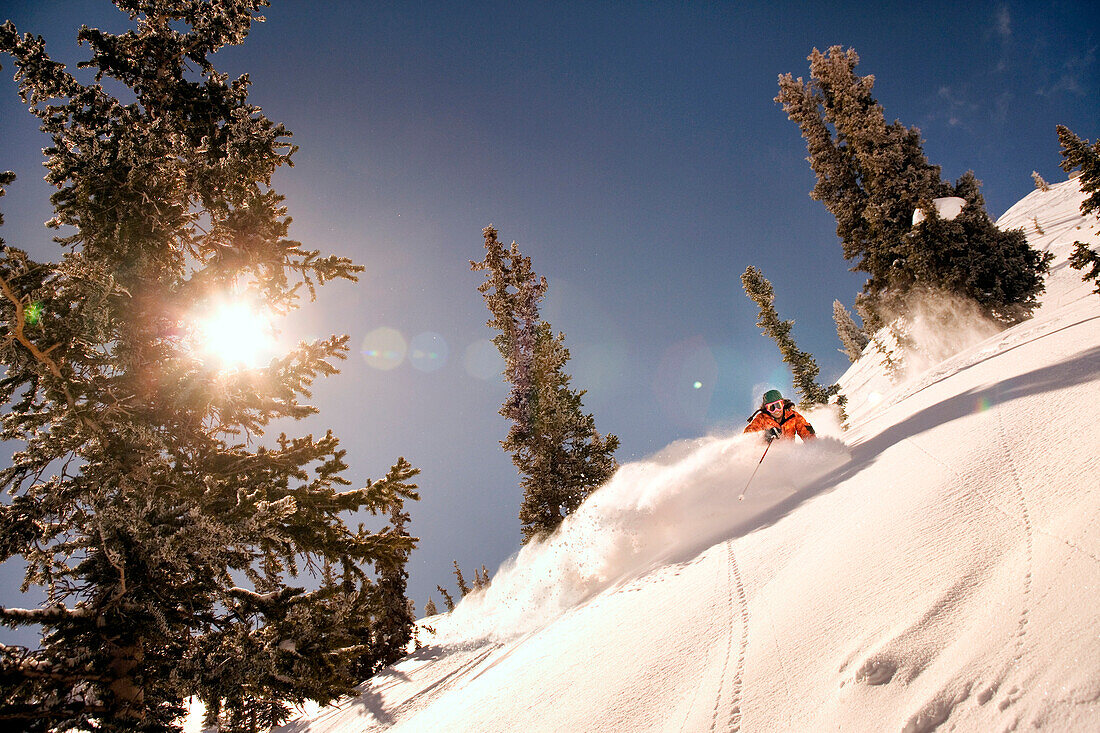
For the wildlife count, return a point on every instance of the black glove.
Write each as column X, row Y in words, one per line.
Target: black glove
column 771, row 434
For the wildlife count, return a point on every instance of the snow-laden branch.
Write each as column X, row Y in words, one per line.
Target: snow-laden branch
column 48, row 615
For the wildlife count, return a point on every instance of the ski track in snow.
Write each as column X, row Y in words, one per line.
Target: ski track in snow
column 737, row 606
column 1029, row 534
column 729, row 644
column 739, row 676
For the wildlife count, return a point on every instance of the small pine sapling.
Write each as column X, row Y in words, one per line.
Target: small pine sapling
column 463, row 588
column 481, row 578
column 448, row 599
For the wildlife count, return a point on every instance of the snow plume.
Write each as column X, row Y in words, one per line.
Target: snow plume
column 939, row 325
column 933, row 326
column 663, row 509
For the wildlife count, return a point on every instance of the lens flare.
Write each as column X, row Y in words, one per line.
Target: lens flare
column 683, row 366
column 236, row 334
column 384, row 348
column 32, row 314
column 483, row 361
column 428, row 351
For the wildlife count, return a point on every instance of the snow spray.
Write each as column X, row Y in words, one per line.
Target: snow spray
column 666, row 508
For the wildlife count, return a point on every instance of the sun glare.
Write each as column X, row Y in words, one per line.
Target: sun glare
column 236, row 334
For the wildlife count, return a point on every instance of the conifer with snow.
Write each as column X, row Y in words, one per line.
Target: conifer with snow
column 851, row 336
column 448, row 599
column 803, row 366
column 463, row 587
column 166, row 534
column 1079, row 154
column 554, row 444
column 394, row 618
column 971, row 257
column 872, row 176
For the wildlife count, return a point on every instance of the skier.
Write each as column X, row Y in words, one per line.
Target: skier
column 777, row 418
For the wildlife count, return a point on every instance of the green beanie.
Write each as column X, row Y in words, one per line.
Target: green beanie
column 772, row 395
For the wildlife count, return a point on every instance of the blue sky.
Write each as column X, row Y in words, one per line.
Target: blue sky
column 635, row 153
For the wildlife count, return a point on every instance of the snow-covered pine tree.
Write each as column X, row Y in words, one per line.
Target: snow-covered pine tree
column 554, row 444
column 164, row 532
column 429, row 607
column 1040, row 182
column 1079, row 154
column 851, row 336
column 971, row 257
column 872, row 176
column 803, row 367
column 1083, row 257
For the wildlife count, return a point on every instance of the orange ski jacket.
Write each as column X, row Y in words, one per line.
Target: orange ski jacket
column 790, row 423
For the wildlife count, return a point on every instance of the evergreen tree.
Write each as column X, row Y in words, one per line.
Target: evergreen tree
column 1083, row 256
column 872, row 176
column 394, row 618
column 970, row 256
column 554, row 444
column 1079, row 154
column 448, row 599
column 164, row 537
column 803, row 367
column 481, row 578
column 851, row 336
column 430, row 609
column 463, row 588
column 1040, row 182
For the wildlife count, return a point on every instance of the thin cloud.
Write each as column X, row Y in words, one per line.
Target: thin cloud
column 1004, row 23
column 1070, row 78
column 1001, row 28
column 956, row 104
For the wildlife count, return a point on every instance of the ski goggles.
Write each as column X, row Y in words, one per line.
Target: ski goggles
column 774, row 406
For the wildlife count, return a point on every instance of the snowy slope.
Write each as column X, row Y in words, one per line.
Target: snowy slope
column 941, row 569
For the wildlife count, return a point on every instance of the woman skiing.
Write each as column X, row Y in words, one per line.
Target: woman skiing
column 777, row 418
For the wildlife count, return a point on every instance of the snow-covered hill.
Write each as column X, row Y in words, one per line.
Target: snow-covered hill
column 939, row 567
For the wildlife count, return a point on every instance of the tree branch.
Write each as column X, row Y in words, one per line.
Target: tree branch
column 42, row 357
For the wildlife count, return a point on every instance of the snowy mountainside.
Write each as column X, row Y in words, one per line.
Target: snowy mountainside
column 940, row 568
column 1052, row 221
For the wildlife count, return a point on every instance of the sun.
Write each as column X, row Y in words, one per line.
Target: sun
column 236, row 333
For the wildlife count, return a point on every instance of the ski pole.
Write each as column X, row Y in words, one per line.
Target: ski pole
column 742, row 495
